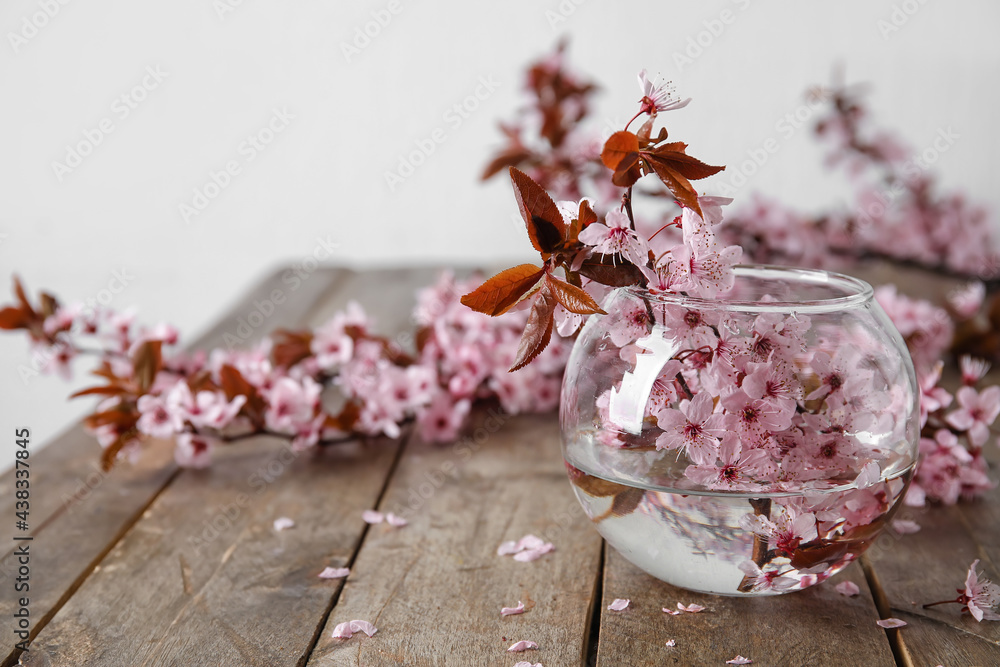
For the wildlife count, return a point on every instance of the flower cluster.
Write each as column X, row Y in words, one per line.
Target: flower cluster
column 309, row 387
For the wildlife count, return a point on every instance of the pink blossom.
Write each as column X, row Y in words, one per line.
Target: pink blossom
column 331, row 345
column 283, row 523
column 155, row 418
column 334, row 573
column 522, row 645
column 443, row 418
column 347, row 629
column 932, row 397
column 616, row 237
column 973, row 370
column 735, row 469
column 206, row 409
column 656, row 98
column 619, row 604
column 976, row 412
column 693, row 428
column 513, row 611
column 754, row 416
column 968, row 299
column 703, row 273
column 193, row 450
column 292, row 404
column 981, row 595
column 771, row 578
column 786, row 529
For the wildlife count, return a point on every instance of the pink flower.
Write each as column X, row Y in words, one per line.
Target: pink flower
column 331, row 345
column 976, row 412
column 694, row 428
column 658, row 98
column 968, row 299
column 616, row 237
column 981, row 595
column 292, row 404
column 155, row 418
column 973, row 370
column 786, row 529
column 932, row 397
column 735, row 468
column 206, row 409
column 193, row 450
column 771, row 578
column 703, row 273
column 751, row 416
column 443, row 418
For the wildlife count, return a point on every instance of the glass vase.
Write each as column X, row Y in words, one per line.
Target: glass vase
column 754, row 444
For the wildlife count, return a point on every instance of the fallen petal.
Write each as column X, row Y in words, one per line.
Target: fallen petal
column 671, row 643
column 739, row 660
column 522, row 645
column 508, row 548
column 334, row 573
column 510, row 611
column 371, row 516
column 530, row 542
column 672, row 612
column 618, row 605
column 282, row 523
column 529, row 555
column 396, row 521
column 891, row 623
column 363, row 626
column 905, row 526
column 848, row 588
column 343, row 630
column 525, row 663
column 691, row 608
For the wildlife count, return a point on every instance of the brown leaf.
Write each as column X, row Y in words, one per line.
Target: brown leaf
column 618, row 147
column 49, row 304
column 627, row 501
column 146, row 363
column 538, row 330
column 234, row 384
column 110, row 454
column 574, row 299
column 23, row 299
column 611, row 270
column 290, row 347
column 546, row 228
column 679, row 186
column 347, row 418
column 508, row 158
column 597, row 487
column 504, row 290
column 14, row 318
column 673, row 155
column 103, row 390
column 645, row 130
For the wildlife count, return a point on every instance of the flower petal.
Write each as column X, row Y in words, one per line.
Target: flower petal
column 363, row 626
column 618, row 605
column 671, row 643
column 905, row 526
column 343, row 631
column 282, row 523
column 891, row 623
column 396, row 521
column 507, row 548
column 691, row 608
column 334, row 573
column 510, row 611
column 535, row 553
column 522, row 645
column 671, row 612
column 739, row 660
column 371, row 516
column 848, row 588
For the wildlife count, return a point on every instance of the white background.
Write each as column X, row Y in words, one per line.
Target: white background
column 356, row 114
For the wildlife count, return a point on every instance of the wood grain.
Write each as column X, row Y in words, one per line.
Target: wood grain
column 203, row 574
column 435, row 588
column 811, row 627
column 85, row 511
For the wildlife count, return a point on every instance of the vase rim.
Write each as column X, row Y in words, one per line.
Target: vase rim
column 854, row 291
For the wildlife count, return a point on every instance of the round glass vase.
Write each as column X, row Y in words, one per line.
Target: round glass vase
column 753, row 444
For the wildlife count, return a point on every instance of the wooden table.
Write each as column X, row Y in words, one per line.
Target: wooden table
column 152, row 565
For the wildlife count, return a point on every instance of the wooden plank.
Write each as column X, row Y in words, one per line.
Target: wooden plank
column 810, row 627
column 435, row 588
column 93, row 510
column 928, row 566
column 204, row 573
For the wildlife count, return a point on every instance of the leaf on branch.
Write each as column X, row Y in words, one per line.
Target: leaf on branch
column 110, row 454
column 23, row 299
column 290, row 347
column 347, row 418
column 546, row 228
column 103, row 390
column 504, row 290
column 611, row 270
column 234, row 384
column 574, row 299
column 538, row 330
column 49, row 304
column 146, row 363
column 584, row 218
column 508, row 158
column 673, row 155
column 14, row 318
column 621, row 154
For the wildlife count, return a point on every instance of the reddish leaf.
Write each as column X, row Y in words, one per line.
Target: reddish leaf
column 510, row 157
column 645, row 130
column 679, row 186
column 673, row 155
column 146, row 363
column 611, row 270
column 597, row 487
column 234, row 384
column 546, row 228
column 574, row 299
column 347, row 418
column 110, row 454
column 538, row 330
column 103, row 390
column 49, row 304
column 501, row 292
column 619, row 146
column 290, row 347
column 23, row 299
column 14, row 318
